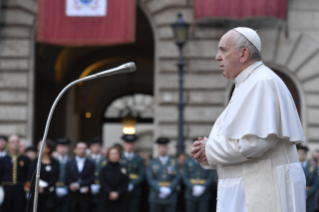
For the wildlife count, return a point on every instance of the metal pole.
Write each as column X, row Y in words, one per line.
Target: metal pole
column 126, row 68
column 37, row 179
column 180, row 64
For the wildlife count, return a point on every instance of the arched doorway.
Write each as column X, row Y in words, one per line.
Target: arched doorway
column 80, row 113
column 141, row 107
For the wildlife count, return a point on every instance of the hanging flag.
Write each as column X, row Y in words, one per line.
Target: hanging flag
column 86, row 7
column 86, row 22
column 240, row 9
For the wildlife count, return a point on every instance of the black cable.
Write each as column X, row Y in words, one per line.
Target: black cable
column 30, row 191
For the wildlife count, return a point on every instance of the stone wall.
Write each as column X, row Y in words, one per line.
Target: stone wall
column 292, row 49
column 16, row 67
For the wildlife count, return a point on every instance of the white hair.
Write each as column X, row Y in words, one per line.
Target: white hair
column 241, row 42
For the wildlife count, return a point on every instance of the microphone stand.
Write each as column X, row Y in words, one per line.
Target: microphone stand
column 126, row 68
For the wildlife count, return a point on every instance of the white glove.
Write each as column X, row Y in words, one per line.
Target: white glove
column 164, row 192
column 198, row 190
column 95, row 189
column 28, row 195
column 130, row 187
column 61, row 191
column 1, row 195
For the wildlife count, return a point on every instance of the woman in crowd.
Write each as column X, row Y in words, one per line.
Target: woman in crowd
column 114, row 182
column 48, row 177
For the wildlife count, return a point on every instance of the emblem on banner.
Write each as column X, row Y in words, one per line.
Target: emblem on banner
column 86, row 8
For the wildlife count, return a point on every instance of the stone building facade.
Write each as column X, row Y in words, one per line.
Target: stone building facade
column 290, row 48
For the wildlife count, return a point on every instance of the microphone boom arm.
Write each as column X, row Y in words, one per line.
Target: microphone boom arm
column 126, row 68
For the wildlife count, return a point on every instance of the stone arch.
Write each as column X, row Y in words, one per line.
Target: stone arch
column 90, row 89
column 297, row 55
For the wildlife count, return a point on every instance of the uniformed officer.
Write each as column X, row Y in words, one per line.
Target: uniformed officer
column 135, row 166
column 163, row 177
column 311, row 178
column 198, row 182
column 3, row 145
column 13, row 177
column 99, row 162
column 62, row 148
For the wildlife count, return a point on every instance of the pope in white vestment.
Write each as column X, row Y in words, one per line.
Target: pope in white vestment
column 253, row 142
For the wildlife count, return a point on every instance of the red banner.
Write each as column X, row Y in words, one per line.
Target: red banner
column 116, row 27
column 240, row 9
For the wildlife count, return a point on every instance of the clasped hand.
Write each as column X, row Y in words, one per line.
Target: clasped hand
column 114, row 195
column 198, row 150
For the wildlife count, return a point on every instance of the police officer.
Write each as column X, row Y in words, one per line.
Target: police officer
column 311, row 178
column 62, row 148
column 198, row 182
column 99, row 162
column 163, row 177
column 13, row 176
column 135, row 166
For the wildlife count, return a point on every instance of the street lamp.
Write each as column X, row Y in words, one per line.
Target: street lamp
column 180, row 29
column 129, row 123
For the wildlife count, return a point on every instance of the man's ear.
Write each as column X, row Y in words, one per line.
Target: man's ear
column 244, row 55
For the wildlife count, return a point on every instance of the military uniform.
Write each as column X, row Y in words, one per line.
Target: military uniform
column 61, row 188
column 163, row 173
column 311, row 185
column 136, row 171
column 13, row 177
column 135, row 167
column 194, row 174
column 99, row 163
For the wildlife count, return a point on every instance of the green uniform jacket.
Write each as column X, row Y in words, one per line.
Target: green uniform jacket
column 194, row 174
column 311, row 174
column 163, row 175
column 62, row 167
column 136, row 170
column 98, row 166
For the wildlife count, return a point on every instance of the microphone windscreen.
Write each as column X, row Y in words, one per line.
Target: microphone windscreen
column 131, row 67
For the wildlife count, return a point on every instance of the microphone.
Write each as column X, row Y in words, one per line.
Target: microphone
column 122, row 69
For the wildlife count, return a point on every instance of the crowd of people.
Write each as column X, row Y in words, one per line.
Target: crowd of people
column 92, row 178
column 115, row 179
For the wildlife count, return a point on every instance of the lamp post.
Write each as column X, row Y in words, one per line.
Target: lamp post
column 180, row 29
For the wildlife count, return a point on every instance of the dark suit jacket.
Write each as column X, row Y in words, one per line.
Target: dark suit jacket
column 85, row 178
column 113, row 177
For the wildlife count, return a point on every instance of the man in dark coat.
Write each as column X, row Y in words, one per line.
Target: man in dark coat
column 79, row 176
column 135, row 167
column 13, row 177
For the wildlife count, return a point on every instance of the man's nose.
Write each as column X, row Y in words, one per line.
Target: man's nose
column 218, row 57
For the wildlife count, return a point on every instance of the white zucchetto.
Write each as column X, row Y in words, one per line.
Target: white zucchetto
column 251, row 35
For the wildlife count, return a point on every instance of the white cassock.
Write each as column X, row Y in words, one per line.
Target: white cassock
column 252, row 146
